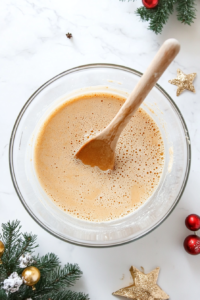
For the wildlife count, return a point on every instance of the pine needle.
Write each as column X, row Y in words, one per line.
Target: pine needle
column 186, row 11
column 55, row 280
column 158, row 16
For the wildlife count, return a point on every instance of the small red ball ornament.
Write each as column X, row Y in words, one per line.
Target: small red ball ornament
column 192, row 244
column 150, row 3
column 192, row 222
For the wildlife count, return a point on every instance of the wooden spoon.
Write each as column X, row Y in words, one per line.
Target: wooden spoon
column 100, row 151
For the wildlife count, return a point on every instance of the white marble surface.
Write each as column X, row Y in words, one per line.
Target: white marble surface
column 34, row 48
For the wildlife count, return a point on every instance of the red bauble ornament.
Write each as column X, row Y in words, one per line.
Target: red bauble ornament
column 150, row 3
column 192, row 244
column 192, row 222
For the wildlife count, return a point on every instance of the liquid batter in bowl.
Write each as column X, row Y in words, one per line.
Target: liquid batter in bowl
column 90, row 193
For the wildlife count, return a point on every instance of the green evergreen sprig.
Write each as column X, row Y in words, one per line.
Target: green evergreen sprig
column 54, row 279
column 186, row 11
column 158, row 16
column 46, row 263
column 16, row 244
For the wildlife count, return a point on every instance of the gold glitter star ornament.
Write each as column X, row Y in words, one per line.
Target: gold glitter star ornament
column 144, row 286
column 184, row 82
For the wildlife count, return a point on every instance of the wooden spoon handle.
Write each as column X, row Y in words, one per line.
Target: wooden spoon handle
column 161, row 61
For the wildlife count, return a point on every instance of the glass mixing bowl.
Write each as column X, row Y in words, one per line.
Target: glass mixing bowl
column 159, row 106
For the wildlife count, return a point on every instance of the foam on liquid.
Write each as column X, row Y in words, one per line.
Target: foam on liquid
column 89, row 193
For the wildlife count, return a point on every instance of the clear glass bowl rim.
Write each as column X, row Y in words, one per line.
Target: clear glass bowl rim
column 29, row 101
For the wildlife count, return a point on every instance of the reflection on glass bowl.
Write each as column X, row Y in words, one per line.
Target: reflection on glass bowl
column 158, row 105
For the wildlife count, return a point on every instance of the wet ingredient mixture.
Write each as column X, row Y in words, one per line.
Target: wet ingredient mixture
column 90, row 193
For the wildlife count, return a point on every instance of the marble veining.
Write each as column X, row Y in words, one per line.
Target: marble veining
column 33, row 49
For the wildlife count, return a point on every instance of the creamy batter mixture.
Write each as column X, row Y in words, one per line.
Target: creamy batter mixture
column 90, row 193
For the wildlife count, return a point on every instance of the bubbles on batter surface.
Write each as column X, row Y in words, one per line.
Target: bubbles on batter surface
column 89, row 193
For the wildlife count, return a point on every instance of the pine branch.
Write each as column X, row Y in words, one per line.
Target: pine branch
column 157, row 16
column 11, row 235
column 186, row 11
column 10, row 238
column 16, row 244
column 53, row 285
column 46, row 263
column 58, row 279
column 68, row 275
column 26, row 245
column 145, row 14
column 54, row 279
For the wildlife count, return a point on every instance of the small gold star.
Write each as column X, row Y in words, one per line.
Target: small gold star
column 184, row 82
column 144, row 286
